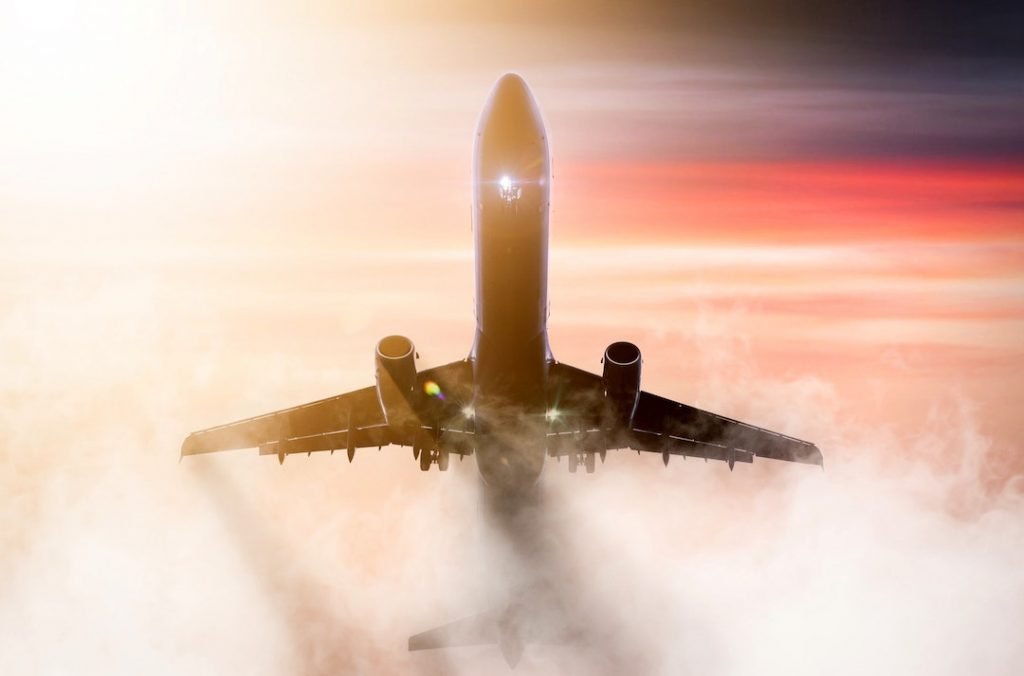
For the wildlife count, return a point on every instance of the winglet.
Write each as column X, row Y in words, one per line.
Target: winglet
column 816, row 454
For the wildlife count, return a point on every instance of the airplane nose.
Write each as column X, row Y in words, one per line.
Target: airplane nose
column 510, row 156
column 512, row 92
column 511, row 110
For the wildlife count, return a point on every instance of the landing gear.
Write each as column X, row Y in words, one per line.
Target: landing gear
column 588, row 460
column 429, row 457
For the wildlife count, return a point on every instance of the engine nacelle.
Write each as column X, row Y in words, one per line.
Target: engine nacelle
column 622, row 380
column 395, row 365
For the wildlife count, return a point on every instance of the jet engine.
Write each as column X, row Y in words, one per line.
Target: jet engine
column 395, row 364
column 622, row 379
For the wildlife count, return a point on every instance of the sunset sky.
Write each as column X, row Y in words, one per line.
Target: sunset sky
column 810, row 219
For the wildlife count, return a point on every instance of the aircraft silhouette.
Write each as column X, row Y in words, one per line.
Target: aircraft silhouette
column 509, row 403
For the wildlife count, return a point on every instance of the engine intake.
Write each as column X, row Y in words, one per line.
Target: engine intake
column 622, row 380
column 395, row 365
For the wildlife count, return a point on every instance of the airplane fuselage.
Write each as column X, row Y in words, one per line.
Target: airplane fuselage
column 511, row 203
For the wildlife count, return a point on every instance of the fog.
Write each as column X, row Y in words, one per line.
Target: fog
column 905, row 555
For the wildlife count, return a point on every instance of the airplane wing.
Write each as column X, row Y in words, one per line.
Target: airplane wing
column 660, row 425
column 346, row 421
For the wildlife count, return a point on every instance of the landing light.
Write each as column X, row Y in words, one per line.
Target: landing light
column 468, row 412
column 508, row 190
column 552, row 414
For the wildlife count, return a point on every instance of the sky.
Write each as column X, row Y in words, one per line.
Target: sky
column 807, row 216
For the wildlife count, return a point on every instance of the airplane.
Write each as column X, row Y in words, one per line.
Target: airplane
column 509, row 403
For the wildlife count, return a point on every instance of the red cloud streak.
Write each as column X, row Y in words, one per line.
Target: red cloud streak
column 795, row 202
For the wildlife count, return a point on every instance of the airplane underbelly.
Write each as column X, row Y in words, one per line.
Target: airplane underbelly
column 510, row 455
column 510, row 404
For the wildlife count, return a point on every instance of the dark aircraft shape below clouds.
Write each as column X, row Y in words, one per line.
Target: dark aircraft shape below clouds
column 509, row 403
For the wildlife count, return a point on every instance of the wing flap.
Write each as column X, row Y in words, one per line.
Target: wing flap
column 666, row 443
column 363, row 437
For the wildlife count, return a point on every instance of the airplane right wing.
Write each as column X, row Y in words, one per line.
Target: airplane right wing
column 660, row 425
column 346, row 421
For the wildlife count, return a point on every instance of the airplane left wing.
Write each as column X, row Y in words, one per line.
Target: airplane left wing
column 660, row 425
column 346, row 421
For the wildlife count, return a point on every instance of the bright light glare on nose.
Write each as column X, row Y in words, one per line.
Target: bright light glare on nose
column 509, row 191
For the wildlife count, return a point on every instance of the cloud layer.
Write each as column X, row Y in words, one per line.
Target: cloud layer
column 903, row 555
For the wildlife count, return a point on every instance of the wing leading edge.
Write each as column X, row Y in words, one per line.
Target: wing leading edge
column 347, row 421
column 660, row 425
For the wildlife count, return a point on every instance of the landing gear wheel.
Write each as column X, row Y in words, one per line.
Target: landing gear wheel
column 573, row 461
column 442, row 460
column 424, row 459
column 590, row 462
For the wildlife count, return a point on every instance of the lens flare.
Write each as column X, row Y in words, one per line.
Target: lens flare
column 433, row 389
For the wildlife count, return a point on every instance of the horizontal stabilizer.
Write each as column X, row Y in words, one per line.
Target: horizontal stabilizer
column 510, row 630
column 479, row 629
column 482, row 629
